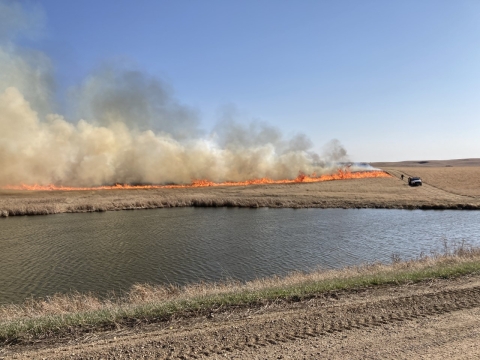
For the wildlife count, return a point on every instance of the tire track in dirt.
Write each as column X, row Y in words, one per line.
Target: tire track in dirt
column 247, row 334
column 351, row 317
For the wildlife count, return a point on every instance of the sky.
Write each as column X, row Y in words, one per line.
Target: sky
column 391, row 80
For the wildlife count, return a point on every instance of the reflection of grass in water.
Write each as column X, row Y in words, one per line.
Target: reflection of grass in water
column 62, row 314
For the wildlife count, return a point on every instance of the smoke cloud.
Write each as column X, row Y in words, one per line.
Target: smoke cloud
column 16, row 19
column 129, row 129
column 140, row 101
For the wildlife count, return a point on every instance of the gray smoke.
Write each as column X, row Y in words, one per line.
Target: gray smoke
column 113, row 94
column 128, row 128
column 16, row 20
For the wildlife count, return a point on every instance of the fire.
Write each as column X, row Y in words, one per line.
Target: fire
column 301, row 178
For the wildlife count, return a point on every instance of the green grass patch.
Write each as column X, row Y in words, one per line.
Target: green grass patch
column 63, row 314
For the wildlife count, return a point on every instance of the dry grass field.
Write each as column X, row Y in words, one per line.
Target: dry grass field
column 475, row 162
column 460, row 177
column 446, row 186
column 456, row 180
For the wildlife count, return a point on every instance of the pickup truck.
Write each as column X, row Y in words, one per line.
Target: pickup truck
column 414, row 181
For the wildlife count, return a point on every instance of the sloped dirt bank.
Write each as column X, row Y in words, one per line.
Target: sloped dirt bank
column 435, row 319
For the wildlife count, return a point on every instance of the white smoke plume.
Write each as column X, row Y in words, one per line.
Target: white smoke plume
column 130, row 130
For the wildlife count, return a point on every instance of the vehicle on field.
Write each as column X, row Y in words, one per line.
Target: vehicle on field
column 414, row 181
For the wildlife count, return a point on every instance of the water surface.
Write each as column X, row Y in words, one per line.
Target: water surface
column 98, row 252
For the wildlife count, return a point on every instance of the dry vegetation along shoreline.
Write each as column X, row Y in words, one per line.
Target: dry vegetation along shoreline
column 70, row 315
column 445, row 187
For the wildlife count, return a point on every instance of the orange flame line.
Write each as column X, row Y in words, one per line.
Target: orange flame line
column 301, row 178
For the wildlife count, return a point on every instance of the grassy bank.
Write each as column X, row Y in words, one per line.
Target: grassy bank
column 78, row 313
column 247, row 203
column 443, row 188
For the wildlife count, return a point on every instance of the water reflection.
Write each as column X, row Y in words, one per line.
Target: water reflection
column 111, row 251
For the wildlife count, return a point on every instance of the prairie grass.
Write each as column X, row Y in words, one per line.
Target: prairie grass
column 388, row 193
column 457, row 180
column 75, row 313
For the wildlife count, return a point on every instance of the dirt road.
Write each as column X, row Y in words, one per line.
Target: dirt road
column 437, row 319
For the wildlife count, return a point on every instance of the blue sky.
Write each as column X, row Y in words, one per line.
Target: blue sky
column 392, row 80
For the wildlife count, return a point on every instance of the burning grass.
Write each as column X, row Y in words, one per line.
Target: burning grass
column 76, row 313
column 378, row 192
column 301, row 178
